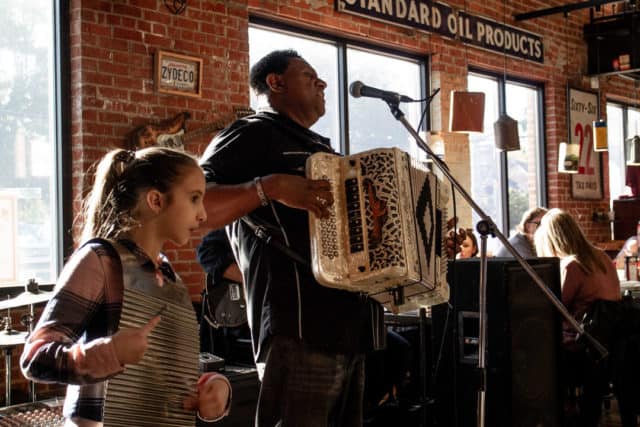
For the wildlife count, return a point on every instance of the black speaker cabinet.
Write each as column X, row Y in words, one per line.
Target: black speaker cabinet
column 523, row 347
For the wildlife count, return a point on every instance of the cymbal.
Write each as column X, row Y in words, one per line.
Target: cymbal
column 12, row 338
column 26, row 298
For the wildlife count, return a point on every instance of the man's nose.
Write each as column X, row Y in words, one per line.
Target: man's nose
column 321, row 83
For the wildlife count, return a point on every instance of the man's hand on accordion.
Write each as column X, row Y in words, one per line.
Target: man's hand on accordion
column 298, row 192
column 212, row 400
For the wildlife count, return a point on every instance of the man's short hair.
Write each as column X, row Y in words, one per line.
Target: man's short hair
column 274, row 62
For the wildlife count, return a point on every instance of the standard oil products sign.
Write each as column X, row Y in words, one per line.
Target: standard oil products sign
column 452, row 23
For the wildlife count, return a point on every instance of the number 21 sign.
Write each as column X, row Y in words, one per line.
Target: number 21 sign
column 582, row 111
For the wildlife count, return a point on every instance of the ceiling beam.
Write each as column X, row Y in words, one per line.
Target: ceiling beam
column 561, row 9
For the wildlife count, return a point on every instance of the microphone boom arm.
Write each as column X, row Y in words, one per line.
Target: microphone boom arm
column 487, row 226
column 399, row 115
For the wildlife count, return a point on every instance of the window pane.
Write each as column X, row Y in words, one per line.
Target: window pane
column 484, row 158
column 615, row 138
column 633, row 122
column 27, row 165
column 371, row 123
column 322, row 56
column 522, row 165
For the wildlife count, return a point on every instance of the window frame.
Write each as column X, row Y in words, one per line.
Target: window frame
column 61, row 172
column 624, row 106
column 342, row 44
column 62, row 122
column 502, row 79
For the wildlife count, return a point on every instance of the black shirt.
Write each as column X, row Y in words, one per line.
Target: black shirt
column 283, row 296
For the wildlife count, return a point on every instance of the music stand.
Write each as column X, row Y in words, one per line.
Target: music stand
column 485, row 227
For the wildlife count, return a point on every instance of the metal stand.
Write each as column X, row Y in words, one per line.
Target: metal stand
column 422, row 330
column 32, row 384
column 486, row 226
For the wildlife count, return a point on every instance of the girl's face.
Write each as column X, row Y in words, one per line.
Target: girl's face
column 185, row 210
column 467, row 248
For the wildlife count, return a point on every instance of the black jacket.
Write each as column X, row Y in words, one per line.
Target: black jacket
column 283, row 296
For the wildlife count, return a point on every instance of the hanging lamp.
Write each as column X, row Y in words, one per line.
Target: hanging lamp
column 505, row 129
column 632, row 147
column 600, row 142
column 466, row 112
column 568, row 157
column 466, row 109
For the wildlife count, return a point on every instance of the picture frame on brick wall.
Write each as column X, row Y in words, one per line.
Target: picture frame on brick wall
column 178, row 74
column 583, row 108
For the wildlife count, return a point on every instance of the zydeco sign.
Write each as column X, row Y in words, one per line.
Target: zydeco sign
column 444, row 20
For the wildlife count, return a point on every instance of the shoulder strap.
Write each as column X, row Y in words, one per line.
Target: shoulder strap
column 107, row 244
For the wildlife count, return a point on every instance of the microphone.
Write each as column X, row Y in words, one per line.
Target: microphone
column 358, row 89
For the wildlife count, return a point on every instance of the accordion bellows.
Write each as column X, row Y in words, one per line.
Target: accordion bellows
column 385, row 234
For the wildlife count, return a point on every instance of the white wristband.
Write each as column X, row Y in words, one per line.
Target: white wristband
column 264, row 200
column 212, row 420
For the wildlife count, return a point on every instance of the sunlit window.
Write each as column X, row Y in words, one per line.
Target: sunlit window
column 28, row 219
column 506, row 184
column 370, row 122
column 617, row 116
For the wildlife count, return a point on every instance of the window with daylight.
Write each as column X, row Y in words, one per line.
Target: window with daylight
column 29, row 218
column 515, row 185
column 623, row 122
column 339, row 63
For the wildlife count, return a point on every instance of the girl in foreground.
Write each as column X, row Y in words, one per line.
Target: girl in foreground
column 138, row 202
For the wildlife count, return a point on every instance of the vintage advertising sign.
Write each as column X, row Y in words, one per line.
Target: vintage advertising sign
column 452, row 23
column 178, row 74
column 582, row 112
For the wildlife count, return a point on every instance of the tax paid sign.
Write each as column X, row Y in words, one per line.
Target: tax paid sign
column 582, row 112
column 451, row 23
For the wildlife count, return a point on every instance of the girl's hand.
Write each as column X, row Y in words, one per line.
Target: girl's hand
column 131, row 343
column 212, row 397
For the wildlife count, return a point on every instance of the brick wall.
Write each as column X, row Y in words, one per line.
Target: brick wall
column 113, row 43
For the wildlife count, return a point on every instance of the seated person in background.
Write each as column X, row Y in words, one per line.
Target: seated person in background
column 469, row 245
column 220, row 331
column 522, row 241
column 630, row 248
column 587, row 275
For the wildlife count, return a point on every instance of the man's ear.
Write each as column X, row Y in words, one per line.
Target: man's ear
column 155, row 200
column 275, row 82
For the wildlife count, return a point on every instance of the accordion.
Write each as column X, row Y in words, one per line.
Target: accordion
column 385, row 234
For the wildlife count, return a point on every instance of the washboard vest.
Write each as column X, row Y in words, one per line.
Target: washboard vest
column 151, row 392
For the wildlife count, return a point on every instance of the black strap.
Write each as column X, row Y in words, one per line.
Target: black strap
column 262, row 234
column 107, row 244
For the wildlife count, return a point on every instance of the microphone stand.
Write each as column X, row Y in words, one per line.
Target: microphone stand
column 485, row 227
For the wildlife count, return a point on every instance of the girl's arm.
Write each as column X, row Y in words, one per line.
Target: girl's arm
column 88, row 297
column 213, row 397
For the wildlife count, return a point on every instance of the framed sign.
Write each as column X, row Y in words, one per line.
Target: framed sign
column 582, row 111
column 178, row 74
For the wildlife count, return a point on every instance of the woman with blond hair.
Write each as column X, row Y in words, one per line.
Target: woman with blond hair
column 587, row 275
